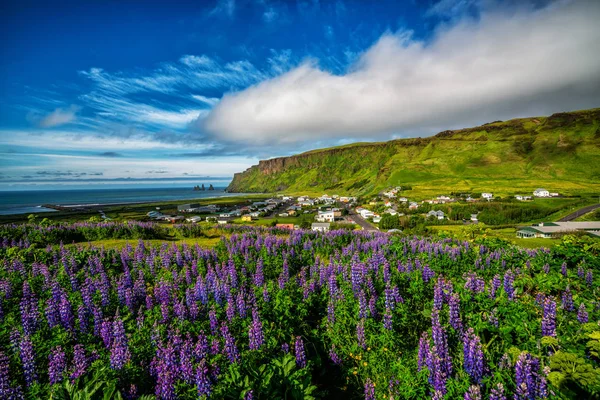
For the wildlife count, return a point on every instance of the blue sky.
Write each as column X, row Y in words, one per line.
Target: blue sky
column 93, row 93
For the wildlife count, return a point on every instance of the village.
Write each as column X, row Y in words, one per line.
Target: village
column 391, row 210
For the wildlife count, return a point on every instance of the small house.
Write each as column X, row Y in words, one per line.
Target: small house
column 487, row 196
column 320, row 226
column 541, row 193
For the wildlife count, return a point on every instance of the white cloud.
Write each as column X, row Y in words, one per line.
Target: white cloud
column 503, row 64
column 270, row 15
column 59, row 116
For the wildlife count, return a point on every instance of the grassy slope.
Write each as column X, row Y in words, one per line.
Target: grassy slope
column 559, row 153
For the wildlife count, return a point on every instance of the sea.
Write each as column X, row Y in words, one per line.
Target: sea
column 30, row 201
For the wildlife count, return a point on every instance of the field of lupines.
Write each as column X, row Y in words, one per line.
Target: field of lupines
column 276, row 314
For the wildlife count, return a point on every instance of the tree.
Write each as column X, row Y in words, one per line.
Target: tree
column 31, row 218
column 389, row 221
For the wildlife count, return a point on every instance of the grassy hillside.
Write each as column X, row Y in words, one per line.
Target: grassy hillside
column 560, row 153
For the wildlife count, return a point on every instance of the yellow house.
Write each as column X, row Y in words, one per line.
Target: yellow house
column 291, row 212
column 246, row 218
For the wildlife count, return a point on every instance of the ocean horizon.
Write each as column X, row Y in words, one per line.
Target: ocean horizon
column 31, row 201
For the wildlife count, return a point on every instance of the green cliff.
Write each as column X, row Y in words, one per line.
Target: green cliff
column 560, row 152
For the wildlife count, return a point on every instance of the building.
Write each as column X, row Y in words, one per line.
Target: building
column 285, row 226
column 554, row 229
column 187, row 207
column 320, row 226
column 194, row 219
column 413, row 205
column 474, row 218
column 326, row 216
column 366, row 213
column 541, row 193
column 247, row 218
column 391, row 211
column 487, row 196
column 437, row 214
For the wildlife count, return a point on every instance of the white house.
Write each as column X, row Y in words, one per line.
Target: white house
column 487, row 196
column 326, row 216
column 376, row 218
column 320, row 226
column 413, row 206
column 437, row 214
column 194, row 219
column 403, row 199
column 391, row 211
column 474, row 218
column 366, row 213
column 541, row 193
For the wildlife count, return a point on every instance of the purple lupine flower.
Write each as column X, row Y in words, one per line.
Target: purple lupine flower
column 474, row 393
column 505, row 362
column 427, row 274
column 387, row 319
column 299, row 351
column 474, row 283
column 563, row 269
column 214, row 322
column 362, row 305
column 567, row 300
column 57, row 365
column 335, row 358
column 531, row 385
column 496, row 282
column 330, row 312
column 360, row 334
column 582, row 314
column 259, row 277
column 474, row 363
column 549, row 318
column 6, row 391
column 424, row 351
column 440, row 342
column 454, row 304
column 52, row 314
column 438, row 294
column 509, row 278
column 580, row 271
column 497, row 393
column 285, row 348
column 255, row 332
column 80, row 362
column 203, row 380
column 369, row 390
column 437, row 374
column 28, row 359
column 589, row 278
column 29, row 310
column 66, row 313
column 546, row 268
column 230, row 348
column 119, row 351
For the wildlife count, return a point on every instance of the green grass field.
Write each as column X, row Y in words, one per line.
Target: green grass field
column 207, row 243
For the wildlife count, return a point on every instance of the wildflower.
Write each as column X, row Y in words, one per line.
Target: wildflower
column 80, row 362
column 530, row 383
column 255, row 333
column 28, row 359
column 360, row 334
column 567, row 300
column 202, row 380
column 497, row 393
column 119, row 351
column 549, row 318
column 454, row 305
column 582, row 314
column 57, row 365
column 509, row 279
column 369, row 390
column 474, row 393
column 299, row 350
column 473, row 355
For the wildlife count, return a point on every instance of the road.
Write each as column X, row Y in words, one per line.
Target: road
column 579, row 213
column 358, row 220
